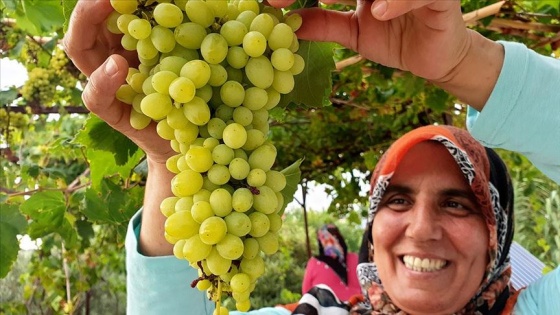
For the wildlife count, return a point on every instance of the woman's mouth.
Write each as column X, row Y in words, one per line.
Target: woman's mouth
column 423, row 264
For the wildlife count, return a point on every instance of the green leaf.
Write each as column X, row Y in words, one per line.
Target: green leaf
column 437, row 99
column 8, row 96
column 111, row 203
column 12, row 223
column 314, row 84
column 67, row 8
column 46, row 210
column 96, row 134
column 293, row 177
column 39, row 17
column 102, row 164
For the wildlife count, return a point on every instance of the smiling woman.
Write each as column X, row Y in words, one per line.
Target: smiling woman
column 439, row 232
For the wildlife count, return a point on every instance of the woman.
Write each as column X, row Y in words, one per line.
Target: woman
column 333, row 266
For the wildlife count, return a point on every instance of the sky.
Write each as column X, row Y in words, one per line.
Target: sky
column 11, row 73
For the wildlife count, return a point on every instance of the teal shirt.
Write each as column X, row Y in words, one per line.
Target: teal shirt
column 522, row 114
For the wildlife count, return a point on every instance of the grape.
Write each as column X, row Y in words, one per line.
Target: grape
column 210, row 71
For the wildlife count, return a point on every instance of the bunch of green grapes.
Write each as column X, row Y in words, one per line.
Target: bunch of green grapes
column 210, row 71
column 59, row 64
column 38, row 86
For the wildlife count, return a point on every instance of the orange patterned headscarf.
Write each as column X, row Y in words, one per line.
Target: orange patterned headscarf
column 490, row 183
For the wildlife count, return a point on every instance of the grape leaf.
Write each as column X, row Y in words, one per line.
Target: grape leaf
column 111, row 203
column 40, row 16
column 293, row 177
column 67, row 8
column 102, row 164
column 12, row 223
column 97, row 135
column 8, row 96
column 314, row 84
column 46, row 209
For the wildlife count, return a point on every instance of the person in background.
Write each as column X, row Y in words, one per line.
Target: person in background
column 334, row 266
column 512, row 92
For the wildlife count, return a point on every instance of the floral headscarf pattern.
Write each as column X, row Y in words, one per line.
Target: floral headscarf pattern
column 489, row 181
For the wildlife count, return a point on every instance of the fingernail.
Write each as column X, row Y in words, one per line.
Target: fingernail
column 379, row 8
column 111, row 67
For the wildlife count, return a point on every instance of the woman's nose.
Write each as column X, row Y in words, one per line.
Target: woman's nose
column 423, row 222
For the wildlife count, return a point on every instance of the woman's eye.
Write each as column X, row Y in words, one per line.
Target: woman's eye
column 397, row 204
column 457, row 208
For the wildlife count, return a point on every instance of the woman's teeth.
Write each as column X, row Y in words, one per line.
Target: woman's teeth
column 423, row 265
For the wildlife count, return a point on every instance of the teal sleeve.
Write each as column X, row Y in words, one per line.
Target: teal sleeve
column 523, row 111
column 541, row 297
column 160, row 285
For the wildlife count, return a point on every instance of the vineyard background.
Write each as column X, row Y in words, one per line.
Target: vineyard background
column 71, row 182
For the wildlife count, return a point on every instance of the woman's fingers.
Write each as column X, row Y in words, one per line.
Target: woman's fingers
column 388, row 9
column 81, row 42
column 329, row 26
column 280, row 3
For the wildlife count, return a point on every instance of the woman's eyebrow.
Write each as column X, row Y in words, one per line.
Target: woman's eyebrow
column 398, row 189
column 463, row 193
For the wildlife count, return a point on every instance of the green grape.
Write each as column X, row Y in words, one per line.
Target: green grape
column 218, row 75
column 139, row 28
column 138, row 120
column 246, row 17
column 172, row 63
column 230, row 247
column 299, row 65
column 214, row 48
column 125, row 94
column 294, row 21
column 184, row 204
column 242, row 199
column 232, row 93
column 199, row 12
column 182, row 89
column 124, row 6
column 182, row 162
column 198, row 71
column 190, row 35
column 162, row 80
column 219, row 174
column 239, row 168
column 280, row 198
column 123, row 21
column 216, row 127
column 128, row 42
column 283, row 81
column 241, row 296
column 253, row 267
column 156, row 105
column 201, row 195
column 260, row 224
column 243, row 115
column 248, row 5
column 167, row 206
column 171, row 164
column 251, row 248
column 201, row 211
column 265, row 201
column 275, row 222
column 163, row 39
column 205, row 93
column 272, row 100
column 233, row 31
column 260, row 72
column 260, row 117
column 262, row 23
column 146, row 49
column 255, row 138
column 111, row 23
column 220, row 201
column 203, row 285
column 164, row 131
column 243, row 306
column 199, row 159
column 197, row 111
column 237, row 57
column 294, row 47
column 137, row 81
column 210, row 143
column 235, row 135
column 186, row 183
column 238, row 223
column 222, row 154
column 217, row 264
column 212, row 230
column 256, row 178
column 168, row 15
column 254, row 44
column 282, row 59
column 181, row 225
column 224, row 112
column 219, row 7
column 263, row 157
column 281, row 36
column 268, row 243
column 195, row 250
column 240, row 282
column 176, row 118
column 178, row 249
column 275, row 180
column 255, row 98
column 222, row 310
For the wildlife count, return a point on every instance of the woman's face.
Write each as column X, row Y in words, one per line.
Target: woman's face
column 430, row 239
